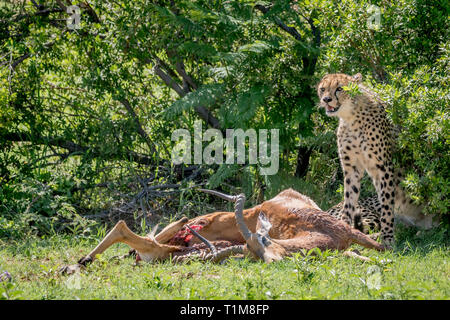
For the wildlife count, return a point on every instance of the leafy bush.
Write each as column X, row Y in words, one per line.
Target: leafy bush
column 406, row 61
column 86, row 116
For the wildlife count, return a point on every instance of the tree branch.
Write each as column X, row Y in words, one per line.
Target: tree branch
column 309, row 63
column 42, row 13
column 75, row 148
column 291, row 30
column 90, row 11
column 187, row 78
column 315, row 31
column 166, row 67
column 140, row 130
column 203, row 112
column 170, row 82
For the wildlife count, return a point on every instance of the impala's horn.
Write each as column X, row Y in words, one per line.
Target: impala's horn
column 219, row 194
column 239, row 202
column 204, row 240
column 239, row 215
column 259, row 243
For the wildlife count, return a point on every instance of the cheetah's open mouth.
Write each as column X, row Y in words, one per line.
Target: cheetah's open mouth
column 331, row 109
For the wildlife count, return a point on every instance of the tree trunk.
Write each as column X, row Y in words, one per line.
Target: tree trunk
column 304, row 153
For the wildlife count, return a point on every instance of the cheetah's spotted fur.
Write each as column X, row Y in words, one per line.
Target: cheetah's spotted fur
column 406, row 212
column 369, row 212
column 365, row 143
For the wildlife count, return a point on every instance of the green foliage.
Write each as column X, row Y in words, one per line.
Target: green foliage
column 352, row 89
column 8, row 291
column 205, row 96
column 86, row 116
column 224, row 172
column 421, row 110
column 406, row 62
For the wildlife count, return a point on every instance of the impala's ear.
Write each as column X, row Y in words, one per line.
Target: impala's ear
column 152, row 233
column 263, row 225
column 357, row 77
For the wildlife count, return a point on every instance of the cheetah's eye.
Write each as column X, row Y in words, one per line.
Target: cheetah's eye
column 322, row 89
column 338, row 89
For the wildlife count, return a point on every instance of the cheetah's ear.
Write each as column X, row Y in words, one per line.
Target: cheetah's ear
column 357, row 77
column 317, row 83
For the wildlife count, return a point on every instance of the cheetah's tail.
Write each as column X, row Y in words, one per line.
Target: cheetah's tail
column 357, row 222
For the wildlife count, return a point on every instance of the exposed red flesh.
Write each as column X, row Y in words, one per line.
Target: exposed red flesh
column 184, row 236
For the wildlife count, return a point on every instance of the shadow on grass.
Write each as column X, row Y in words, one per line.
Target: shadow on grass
column 411, row 240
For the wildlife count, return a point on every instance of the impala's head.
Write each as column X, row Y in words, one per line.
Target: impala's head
column 260, row 245
column 332, row 95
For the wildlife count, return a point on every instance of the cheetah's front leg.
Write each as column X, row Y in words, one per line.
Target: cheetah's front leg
column 352, row 183
column 384, row 184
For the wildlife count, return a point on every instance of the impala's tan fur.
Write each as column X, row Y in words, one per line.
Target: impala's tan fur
column 308, row 226
column 287, row 223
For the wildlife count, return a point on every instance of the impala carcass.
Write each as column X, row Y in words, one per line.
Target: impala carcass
column 269, row 231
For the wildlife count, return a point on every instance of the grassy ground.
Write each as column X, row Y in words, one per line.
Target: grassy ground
column 417, row 269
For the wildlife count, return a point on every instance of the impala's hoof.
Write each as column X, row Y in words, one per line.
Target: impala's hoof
column 374, row 236
column 85, row 260
column 68, row 270
column 387, row 246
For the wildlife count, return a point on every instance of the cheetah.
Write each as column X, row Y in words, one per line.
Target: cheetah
column 405, row 211
column 365, row 143
column 369, row 217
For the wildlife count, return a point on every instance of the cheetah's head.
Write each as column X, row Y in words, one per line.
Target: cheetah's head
column 332, row 95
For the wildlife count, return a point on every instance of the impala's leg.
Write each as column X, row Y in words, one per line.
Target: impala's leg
column 165, row 235
column 121, row 233
column 114, row 236
column 355, row 254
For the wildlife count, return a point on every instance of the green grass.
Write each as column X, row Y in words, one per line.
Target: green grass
column 417, row 269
